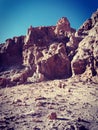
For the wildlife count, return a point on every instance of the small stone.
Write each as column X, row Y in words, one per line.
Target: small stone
column 53, row 116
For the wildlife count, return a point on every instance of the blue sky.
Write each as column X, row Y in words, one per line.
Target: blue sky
column 17, row 15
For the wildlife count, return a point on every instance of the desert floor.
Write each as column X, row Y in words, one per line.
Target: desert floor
column 31, row 106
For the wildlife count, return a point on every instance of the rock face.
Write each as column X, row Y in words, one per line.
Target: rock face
column 88, row 25
column 50, row 52
column 55, row 63
column 11, row 52
column 86, row 58
column 63, row 26
column 45, row 52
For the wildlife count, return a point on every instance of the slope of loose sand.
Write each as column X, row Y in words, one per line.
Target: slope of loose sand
column 28, row 106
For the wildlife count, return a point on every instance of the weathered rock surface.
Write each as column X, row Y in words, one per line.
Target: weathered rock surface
column 11, row 52
column 50, row 52
column 55, row 63
column 62, row 27
column 88, row 25
column 45, row 51
column 86, row 58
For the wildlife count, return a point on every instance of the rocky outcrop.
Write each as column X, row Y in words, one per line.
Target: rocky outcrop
column 14, row 76
column 55, row 63
column 11, row 61
column 45, row 50
column 51, row 52
column 11, row 52
column 42, row 50
column 36, row 38
column 86, row 58
column 62, row 27
column 88, row 25
column 39, row 35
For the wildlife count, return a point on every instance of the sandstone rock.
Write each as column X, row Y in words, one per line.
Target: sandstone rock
column 55, row 63
column 15, row 77
column 53, row 116
column 62, row 26
column 40, row 36
column 72, row 45
column 28, row 56
column 11, row 51
column 79, row 66
column 40, row 49
column 51, row 52
column 21, row 77
column 36, row 39
column 88, row 25
column 63, row 31
column 86, row 58
column 66, row 35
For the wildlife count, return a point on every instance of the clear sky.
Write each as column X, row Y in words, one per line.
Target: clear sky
column 17, row 15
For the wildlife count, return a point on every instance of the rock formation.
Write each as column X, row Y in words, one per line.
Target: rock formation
column 50, row 52
column 11, row 52
column 62, row 27
column 55, row 63
column 86, row 58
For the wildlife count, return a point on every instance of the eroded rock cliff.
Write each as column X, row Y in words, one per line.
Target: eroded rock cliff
column 86, row 58
column 51, row 52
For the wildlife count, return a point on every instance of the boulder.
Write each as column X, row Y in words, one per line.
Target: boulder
column 52, row 116
column 55, row 63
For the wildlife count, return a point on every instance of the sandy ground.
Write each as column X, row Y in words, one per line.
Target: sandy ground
column 30, row 106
